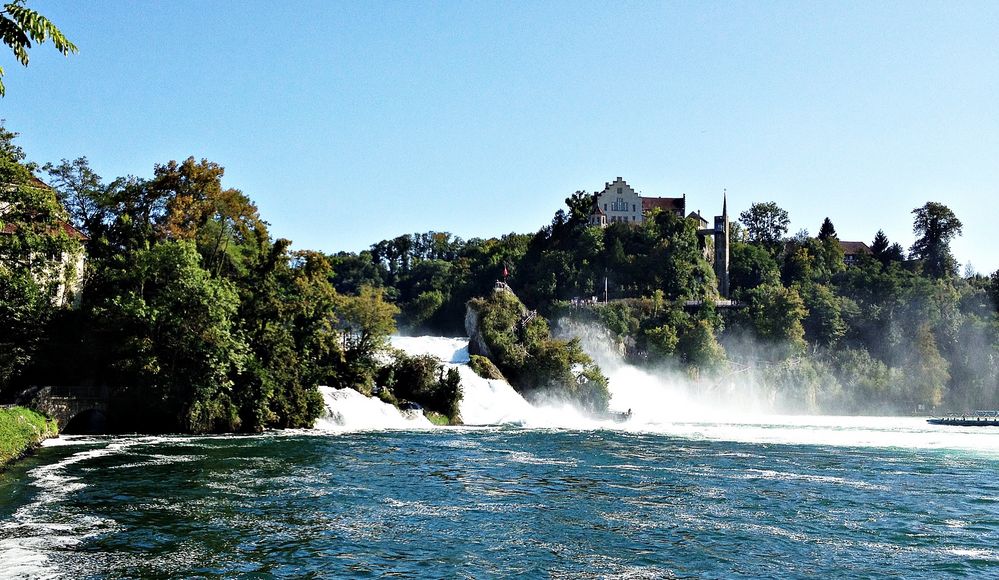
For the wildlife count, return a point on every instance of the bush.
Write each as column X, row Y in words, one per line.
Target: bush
column 485, row 368
column 424, row 379
column 536, row 364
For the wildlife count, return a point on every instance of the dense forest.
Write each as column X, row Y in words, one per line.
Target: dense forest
column 893, row 332
column 199, row 320
column 190, row 311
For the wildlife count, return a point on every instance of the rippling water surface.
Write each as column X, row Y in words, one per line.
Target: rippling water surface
column 699, row 501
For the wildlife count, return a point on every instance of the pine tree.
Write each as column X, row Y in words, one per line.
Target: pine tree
column 880, row 245
column 827, row 230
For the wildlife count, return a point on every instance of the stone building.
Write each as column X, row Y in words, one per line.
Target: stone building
column 852, row 251
column 63, row 273
column 620, row 203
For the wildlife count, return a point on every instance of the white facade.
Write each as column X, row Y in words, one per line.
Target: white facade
column 620, row 202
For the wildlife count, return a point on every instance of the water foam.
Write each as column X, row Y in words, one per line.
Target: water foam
column 661, row 402
column 39, row 528
column 348, row 410
column 492, row 401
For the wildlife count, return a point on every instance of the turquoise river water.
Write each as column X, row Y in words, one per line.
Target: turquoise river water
column 789, row 497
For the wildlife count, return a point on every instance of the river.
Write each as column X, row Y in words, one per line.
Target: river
column 750, row 496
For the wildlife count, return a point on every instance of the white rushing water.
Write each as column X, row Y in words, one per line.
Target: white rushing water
column 348, row 410
column 666, row 403
column 660, row 402
column 490, row 401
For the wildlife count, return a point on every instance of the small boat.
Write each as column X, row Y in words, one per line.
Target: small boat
column 616, row 416
column 974, row 419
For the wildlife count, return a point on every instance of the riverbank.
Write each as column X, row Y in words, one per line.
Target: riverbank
column 21, row 430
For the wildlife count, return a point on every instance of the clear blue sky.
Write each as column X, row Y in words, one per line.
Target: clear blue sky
column 351, row 122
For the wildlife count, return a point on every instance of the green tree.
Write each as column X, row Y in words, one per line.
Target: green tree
column 580, row 205
column 824, row 324
column 928, row 372
column 365, row 322
column 699, row 348
column 775, row 314
column 827, row 230
column 751, row 266
column 766, row 224
column 35, row 254
column 82, row 192
column 879, row 246
column 993, row 289
column 176, row 344
column 935, row 225
column 886, row 252
column 20, row 26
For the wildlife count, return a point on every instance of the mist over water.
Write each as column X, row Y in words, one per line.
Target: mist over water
column 666, row 402
column 689, row 486
column 491, row 401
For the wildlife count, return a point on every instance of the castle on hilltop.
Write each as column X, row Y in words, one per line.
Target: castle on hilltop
column 620, row 203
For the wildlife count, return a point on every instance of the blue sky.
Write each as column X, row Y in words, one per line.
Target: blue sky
column 352, row 122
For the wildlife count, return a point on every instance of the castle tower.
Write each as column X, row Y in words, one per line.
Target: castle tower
column 721, row 247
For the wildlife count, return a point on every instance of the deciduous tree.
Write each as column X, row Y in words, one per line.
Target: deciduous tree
column 20, row 26
column 766, row 223
column 935, row 225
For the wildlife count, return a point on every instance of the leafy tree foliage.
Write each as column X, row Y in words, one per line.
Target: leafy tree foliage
column 935, row 225
column 766, row 224
column 426, row 381
column 880, row 245
column 20, row 26
column 537, row 365
column 199, row 321
column 775, row 315
column 35, row 250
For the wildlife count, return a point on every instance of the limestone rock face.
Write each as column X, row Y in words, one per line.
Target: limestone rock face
column 476, row 343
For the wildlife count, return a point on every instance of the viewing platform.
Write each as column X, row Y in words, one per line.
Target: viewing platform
column 973, row 419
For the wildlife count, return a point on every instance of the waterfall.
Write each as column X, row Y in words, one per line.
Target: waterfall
column 348, row 410
column 483, row 401
column 490, row 401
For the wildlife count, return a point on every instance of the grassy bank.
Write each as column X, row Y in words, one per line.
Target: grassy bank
column 20, row 430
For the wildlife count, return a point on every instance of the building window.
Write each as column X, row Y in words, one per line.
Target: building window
column 605, row 207
column 619, row 191
column 632, row 207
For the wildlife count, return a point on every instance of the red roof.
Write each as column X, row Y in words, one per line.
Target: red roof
column 66, row 227
column 854, row 248
column 664, row 203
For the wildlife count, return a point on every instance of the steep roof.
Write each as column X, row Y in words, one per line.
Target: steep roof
column 663, row 203
column 854, row 248
column 64, row 226
column 696, row 216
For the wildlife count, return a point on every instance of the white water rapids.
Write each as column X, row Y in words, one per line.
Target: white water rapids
column 660, row 403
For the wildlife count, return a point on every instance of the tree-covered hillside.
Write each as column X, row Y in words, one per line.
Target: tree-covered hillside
column 199, row 320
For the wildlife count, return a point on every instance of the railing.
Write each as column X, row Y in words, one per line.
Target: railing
column 74, row 392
